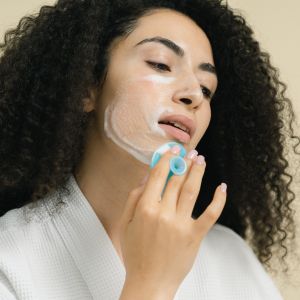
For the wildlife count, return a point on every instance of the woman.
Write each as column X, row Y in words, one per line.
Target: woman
column 85, row 89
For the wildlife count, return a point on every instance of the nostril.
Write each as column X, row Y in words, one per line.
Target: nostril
column 186, row 100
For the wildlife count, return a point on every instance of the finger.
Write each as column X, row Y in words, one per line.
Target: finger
column 173, row 188
column 191, row 187
column 156, row 182
column 213, row 211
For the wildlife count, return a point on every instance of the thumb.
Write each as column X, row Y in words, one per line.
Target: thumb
column 131, row 203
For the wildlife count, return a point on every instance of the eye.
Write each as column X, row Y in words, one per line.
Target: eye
column 159, row 66
column 206, row 92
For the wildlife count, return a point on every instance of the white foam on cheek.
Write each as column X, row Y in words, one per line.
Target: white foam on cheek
column 139, row 144
column 134, row 126
column 159, row 79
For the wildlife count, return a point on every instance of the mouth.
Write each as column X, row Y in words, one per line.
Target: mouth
column 175, row 132
column 178, row 126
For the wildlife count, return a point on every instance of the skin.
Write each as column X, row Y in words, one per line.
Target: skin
column 108, row 172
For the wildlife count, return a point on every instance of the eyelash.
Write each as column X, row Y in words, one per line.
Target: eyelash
column 207, row 93
column 155, row 64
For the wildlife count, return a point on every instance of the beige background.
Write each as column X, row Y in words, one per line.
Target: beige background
column 276, row 25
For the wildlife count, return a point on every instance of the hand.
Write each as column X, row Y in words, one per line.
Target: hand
column 159, row 239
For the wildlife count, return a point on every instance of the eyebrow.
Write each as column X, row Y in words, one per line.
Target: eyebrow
column 208, row 67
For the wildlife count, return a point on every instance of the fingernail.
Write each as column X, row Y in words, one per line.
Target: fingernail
column 175, row 149
column 192, row 154
column 223, row 187
column 200, row 160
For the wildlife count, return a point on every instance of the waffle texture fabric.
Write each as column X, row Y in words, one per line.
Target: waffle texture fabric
column 58, row 249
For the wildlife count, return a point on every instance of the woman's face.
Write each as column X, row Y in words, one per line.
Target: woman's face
column 137, row 93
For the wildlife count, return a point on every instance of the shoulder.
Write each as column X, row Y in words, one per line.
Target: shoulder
column 28, row 240
column 32, row 214
column 25, row 233
column 17, row 229
column 19, row 226
column 20, row 218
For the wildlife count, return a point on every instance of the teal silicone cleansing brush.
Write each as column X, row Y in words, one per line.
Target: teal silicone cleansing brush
column 177, row 164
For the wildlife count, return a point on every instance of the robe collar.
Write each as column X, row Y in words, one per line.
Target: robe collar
column 92, row 249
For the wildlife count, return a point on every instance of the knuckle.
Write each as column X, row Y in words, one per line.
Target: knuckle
column 189, row 198
column 186, row 230
column 148, row 213
column 181, row 230
column 212, row 214
column 165, row 218
column 188, row 190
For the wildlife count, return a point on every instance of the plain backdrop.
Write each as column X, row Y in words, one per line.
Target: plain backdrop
column 276, row 25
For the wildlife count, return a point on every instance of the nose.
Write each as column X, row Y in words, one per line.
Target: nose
column 188, row 92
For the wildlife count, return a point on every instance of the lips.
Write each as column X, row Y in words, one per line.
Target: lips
column 181, row 119
column 176, row 133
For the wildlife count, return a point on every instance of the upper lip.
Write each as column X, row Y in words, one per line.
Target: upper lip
column 187, row 122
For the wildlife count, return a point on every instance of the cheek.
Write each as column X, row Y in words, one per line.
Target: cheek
column 130, row 104
column 143, row 89
column 203, row 119
column 142, row 95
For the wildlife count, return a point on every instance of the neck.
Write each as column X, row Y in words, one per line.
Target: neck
column 106, row 175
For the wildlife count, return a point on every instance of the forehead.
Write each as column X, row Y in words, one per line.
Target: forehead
column 174, row 26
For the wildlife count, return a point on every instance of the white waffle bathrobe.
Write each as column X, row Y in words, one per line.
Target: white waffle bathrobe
column 68, row 255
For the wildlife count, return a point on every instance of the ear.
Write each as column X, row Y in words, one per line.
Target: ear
column 89, row 101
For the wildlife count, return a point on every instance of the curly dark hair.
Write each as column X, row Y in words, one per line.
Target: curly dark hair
column 51, row 60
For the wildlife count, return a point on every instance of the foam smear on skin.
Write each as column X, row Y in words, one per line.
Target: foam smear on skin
column 167, row 80
column 159, row 79
column 140, row 152
column 141, row 144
